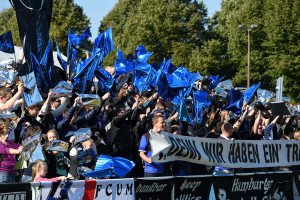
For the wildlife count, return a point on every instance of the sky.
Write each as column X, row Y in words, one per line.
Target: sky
column 97, row 9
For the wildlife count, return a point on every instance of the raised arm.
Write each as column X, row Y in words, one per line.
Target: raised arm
column 11, row 102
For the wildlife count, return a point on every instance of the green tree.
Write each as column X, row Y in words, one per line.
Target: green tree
column 212, row 58
column 274, row 45
column 66, row 15
column 8, row 22
column 282, row 28
column 169, row 28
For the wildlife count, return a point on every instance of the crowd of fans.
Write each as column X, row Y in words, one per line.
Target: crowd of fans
column 121, row 126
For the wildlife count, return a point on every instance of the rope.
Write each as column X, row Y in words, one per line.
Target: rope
column 30, row 7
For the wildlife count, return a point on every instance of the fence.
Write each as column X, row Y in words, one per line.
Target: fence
column 255, row 186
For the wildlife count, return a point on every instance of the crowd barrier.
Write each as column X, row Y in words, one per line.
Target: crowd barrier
column 255, row 186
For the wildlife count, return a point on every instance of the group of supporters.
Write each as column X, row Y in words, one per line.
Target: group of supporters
column 121, row 127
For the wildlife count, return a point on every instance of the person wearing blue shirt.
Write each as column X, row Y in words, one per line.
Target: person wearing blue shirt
column 227, row 131
column 152, row 169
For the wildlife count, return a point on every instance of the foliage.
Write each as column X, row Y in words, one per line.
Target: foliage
column 169, row 28
column 66, row 15
column 274, row 45
column 8, row 22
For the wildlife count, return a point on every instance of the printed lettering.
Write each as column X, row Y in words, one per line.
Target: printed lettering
column 190, row 185
column 243, row 153
column 271, row 153
column 129, row 189
column 99, row 187
column 107, row 191
column 182, row 148
column 119, row 189
column 154, row 187
column 174, row 146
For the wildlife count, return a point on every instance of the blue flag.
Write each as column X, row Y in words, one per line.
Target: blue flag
column 236, row 107
column 42, row 78
column 108, row 166
column 250, row 92
column 76, row 40
column 6, row 43
column 183, row 80
column 143, row 76
column 214, row 81
column 62, row 62
column 141, row 54
column 234, row 96
column 200, row 102
column 105, row 42
column 121, row 65
column 48, row 55
column 183, row 114
column 106, row 80
column 162, row 71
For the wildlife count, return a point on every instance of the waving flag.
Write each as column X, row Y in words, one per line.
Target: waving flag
column 108, row 166
column 42, row 78
column 106, row 80
column 62, row 62
column 105, row 42
column 250, row 92
column 162, row 71
column 141, row 54
column 200, row 102
column 143, row 76
column 183, row 114
column 76, row 40
column 122, row 65
column 214, row 81
column 6, row 43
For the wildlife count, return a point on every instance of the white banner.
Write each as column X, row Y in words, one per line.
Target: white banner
column 227, row 153
column 58, row 190
column 113, row 189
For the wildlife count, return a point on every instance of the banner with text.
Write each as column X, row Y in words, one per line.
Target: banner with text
column 192, row 187
column 58, row 190
column 115, row 189
column 90, row 189
column 254, row 187
column 154, row 188
column 21, row 191
column 227, row 153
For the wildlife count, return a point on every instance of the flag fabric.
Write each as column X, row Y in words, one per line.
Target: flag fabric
column 33, row 95
column 6, row 43
column 214, row 81
column 162, row 71
column 183, row 114
column 108, row 166
column 105, row 79
column 199, row 102
column 236, row 107
column 76, row 40
column 105, row 42
column 143, row 76
column 234, row 95
column 122, row 65
column 48, row 55
column 141, row 54
column 61, row 61
column 250, row 92
column 42, row 78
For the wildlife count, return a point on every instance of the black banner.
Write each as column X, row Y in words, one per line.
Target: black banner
column 154, row 188
column 296, row 185
column 254, row 187
column 194, row 188
column 20, row 191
